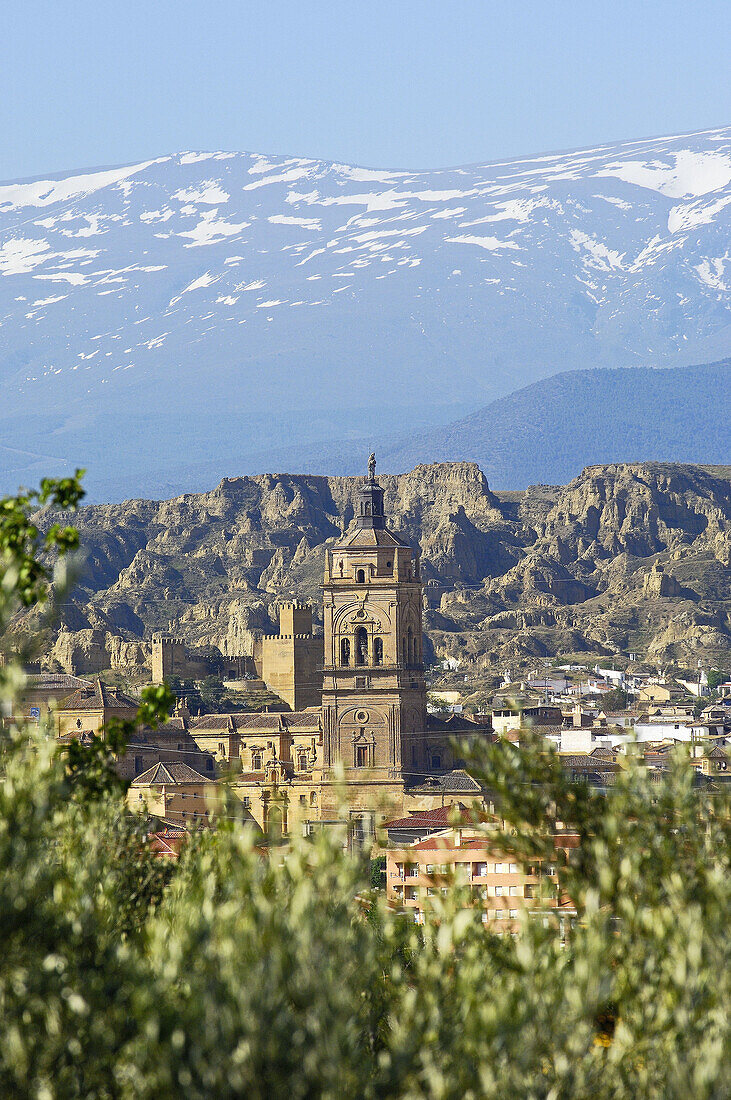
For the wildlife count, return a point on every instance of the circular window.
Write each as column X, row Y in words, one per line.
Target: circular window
column 361, row 716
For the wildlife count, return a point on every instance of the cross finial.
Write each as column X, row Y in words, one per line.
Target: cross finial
column 372, row 466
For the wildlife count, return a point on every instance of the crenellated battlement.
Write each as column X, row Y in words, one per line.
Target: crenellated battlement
column 167, row 639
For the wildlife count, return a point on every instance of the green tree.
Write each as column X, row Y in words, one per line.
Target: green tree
column 245, row 974
column 716, row 677
column 616, row 699
column 211, row 692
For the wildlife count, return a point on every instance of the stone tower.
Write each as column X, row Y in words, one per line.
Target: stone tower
column 374, row 693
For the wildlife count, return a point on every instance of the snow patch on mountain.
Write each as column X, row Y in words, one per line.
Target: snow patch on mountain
column 443, row 288
column 14, row 196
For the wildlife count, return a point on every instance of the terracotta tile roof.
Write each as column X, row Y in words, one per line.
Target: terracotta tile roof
column 454, row 782
column 370, row 536
column 167, row 842
column 436, row 843
column 486, row 842
column 587, row 760
column 97, row 697
column 169, row 774
column 439, row 818
column 301, row 719
column 280, row 720
column 229, row 723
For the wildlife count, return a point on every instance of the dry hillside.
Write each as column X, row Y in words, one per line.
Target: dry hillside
column 549, row 570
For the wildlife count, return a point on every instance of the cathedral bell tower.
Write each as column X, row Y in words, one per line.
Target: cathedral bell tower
column 374, row 692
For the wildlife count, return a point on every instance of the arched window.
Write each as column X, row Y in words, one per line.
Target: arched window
column 378, row 651
column 404, row 659
column 410, row 646
column 341, row 567
column 361, row 646
column 276, row 821
column 345, row 652
column 313, row 798
column 360, row 576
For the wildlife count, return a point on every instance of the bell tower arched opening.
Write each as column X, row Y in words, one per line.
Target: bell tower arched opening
column 361, row 646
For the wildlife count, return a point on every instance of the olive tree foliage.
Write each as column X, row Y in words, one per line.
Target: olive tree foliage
column 263, row 971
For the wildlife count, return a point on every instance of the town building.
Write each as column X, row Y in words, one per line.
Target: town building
column 86, row 712
column 90, row 707
column 175, row 793
column 462, row 858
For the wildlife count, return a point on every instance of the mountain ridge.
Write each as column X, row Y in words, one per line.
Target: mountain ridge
column 211, row 289
column 509, row 576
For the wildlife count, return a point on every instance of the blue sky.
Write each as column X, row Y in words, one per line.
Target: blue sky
column 394, row 84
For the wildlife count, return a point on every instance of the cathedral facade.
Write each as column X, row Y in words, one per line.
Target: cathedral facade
column 366, row 753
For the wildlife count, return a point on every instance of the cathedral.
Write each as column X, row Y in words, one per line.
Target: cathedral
column 370, row 750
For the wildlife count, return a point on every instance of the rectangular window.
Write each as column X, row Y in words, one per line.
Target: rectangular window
column 498, row 891
column 361, row 756
column 499, row 914
column 515, row 891
column 499, row 868
column 513, row 868
column 247, row 802
column 479, row 870
column 412, row 870
column 528, row 891
column 513, row 914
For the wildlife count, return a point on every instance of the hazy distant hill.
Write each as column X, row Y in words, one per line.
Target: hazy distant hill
column 546, row 433
column 550, row 431
column 164, row 319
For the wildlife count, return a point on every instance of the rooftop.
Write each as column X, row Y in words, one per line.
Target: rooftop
column 98, row 696
column 439, row 818
column 169, row 775
column 454, row 782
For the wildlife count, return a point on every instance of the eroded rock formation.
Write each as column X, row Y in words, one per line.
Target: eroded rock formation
column 549, row 570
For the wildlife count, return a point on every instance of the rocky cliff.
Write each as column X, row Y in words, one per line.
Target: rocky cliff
column 549, row 570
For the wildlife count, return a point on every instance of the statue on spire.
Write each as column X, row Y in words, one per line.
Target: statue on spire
column 372, row 466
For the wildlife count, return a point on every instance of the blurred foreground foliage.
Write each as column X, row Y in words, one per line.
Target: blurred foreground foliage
column 240, row 972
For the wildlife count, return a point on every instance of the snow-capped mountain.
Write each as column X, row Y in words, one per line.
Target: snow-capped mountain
column 170, row 318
